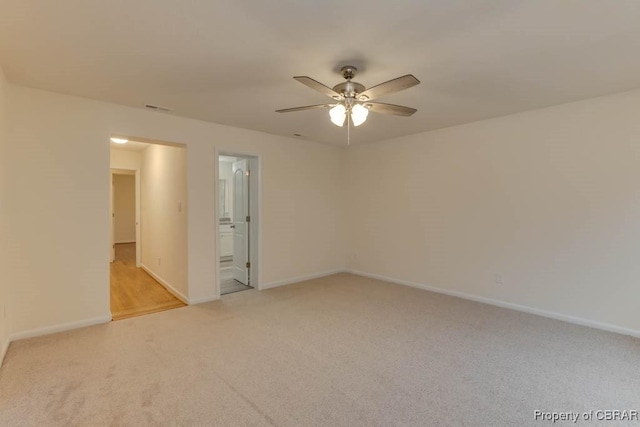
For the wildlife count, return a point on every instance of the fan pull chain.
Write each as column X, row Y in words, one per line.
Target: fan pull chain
column 348, row 130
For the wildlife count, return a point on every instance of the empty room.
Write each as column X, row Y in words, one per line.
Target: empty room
column 411, row 213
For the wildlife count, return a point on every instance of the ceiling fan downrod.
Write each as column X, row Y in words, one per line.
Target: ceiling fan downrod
column 348, row 89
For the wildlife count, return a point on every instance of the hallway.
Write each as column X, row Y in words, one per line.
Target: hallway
column 133, row 291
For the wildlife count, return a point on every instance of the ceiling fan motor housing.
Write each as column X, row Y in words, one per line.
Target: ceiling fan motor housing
column 349, row 89
column 350, row 96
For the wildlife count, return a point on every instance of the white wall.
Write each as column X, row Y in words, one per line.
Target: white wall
column 59, row 264
column 163, row 216
column 125, row 159
column 5, row 278
column 124, row 208
column 548, row 199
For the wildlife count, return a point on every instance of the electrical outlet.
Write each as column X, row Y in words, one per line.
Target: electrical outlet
column 499, row 279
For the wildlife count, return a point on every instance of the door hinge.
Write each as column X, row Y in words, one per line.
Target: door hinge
column 248, row 218
column 248, row 172
column 248, row 264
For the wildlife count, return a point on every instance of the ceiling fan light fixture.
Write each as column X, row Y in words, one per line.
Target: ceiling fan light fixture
column 352, row 101
column 359, row 114
column 338, row 114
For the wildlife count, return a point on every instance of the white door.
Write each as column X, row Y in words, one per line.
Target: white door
column 240, row 221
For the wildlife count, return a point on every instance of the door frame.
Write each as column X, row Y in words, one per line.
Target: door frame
column 128, row 171
column 255, row 225
column 112, row 243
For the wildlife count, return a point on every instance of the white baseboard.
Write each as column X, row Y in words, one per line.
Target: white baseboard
column 539, row 312
column 284, row 282
column 59, row 328
column 176, row 293
column 4, row 349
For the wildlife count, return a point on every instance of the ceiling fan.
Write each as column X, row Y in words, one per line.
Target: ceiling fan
column 354, row 100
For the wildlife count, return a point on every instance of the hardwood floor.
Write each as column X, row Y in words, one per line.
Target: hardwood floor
column 133, row 291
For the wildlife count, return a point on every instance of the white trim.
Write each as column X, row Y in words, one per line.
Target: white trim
column 121, row 242
column 216, row 236
column 112, row 233
column 284, row 282
column 176, row 293
column 138, row 240
column 3, row 351
column 531, row 310
column 255, row 226
column 60, row 328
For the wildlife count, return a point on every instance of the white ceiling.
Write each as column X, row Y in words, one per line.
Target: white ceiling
column 232, row 61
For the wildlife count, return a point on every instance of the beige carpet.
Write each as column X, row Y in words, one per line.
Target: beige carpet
column 341, row 350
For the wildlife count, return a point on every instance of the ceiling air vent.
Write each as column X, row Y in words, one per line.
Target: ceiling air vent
column 157, row 108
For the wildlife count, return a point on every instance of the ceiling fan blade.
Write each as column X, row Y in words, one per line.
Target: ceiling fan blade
column 390, row 86
column 396, row 110
column 306, row 107
column 317, row 86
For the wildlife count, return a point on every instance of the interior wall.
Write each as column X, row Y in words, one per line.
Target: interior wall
column 59, row 264
column 124, row 208
column 546, row 199
column 125, row 159
column 5, row 278
column 539, row 209
column 163, row 216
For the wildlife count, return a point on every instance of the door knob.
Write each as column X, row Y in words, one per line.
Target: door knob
column 232, row 226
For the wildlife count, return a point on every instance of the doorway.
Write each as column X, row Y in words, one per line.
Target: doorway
column 148, row 228
column 125, row 211
column 238, row 222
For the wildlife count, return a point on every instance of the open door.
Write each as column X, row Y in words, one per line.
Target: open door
column 241, row 221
